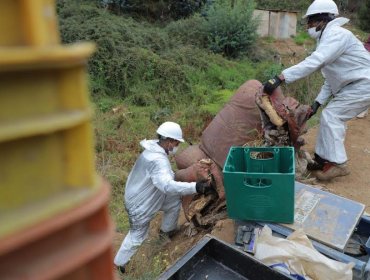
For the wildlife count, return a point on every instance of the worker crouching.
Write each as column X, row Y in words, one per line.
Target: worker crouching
column 151, row 187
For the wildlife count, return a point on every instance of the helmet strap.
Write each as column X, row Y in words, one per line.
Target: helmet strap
column 322, row 26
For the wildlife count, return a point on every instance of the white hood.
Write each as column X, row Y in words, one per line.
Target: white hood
column 152, row 146
column 338, row 22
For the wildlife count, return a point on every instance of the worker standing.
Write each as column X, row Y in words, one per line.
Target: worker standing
column 150, row 188
column 345, row 65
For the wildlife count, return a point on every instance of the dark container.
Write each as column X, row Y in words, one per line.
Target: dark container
column 214, row 259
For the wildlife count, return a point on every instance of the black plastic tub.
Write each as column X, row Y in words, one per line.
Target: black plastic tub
column 214, row 259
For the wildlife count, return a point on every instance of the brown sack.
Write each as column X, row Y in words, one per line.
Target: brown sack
column 196, row 172
column 236, row 124
column 294, row 113
column 189, row 156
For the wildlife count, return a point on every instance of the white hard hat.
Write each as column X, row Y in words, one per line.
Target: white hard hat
column 322, row 7
column 170, row 130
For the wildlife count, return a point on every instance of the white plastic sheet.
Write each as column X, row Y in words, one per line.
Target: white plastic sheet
column 299, row 255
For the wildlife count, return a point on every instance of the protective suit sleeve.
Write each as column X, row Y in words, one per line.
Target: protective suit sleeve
column 163, row 178
column 329, row 49
column 324, row 94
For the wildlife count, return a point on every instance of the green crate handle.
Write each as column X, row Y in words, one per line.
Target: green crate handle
column 264, row 186
column 273, row 151
column 264, row 159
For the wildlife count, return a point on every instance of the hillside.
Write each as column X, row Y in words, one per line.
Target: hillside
column 148, row 70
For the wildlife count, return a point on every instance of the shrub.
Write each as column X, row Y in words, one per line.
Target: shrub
column 267, row 70
column 190, row 31
column 231, row 28
column 146, row 64
column 156, row 10
column 290, row 5
column 222, row 28
column 128, row 60
column 364, row 17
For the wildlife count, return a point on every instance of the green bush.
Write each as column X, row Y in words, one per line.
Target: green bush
column 128, row 60
column 189, row 31
column 290, row 5
column 265, row 70
column 223, row 28
column 363, row 16
column 145, row 64
column 230, row 27
column 154, row 9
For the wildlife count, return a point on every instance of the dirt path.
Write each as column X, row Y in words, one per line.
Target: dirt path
column 355, row 186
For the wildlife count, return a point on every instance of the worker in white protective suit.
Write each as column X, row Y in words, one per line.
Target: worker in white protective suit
column 150, row 188
column 345, row 65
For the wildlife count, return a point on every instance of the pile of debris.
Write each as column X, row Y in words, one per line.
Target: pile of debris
column 250, row 118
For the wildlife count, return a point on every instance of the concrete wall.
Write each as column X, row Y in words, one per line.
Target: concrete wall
column 278, row 24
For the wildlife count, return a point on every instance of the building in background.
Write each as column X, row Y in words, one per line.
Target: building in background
column 277, row 24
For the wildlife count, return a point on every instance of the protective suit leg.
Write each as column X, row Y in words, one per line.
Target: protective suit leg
column 131, row 243
column 171, row 210
column 347, row 104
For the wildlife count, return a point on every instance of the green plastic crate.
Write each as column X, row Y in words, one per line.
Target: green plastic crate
column 260, row 188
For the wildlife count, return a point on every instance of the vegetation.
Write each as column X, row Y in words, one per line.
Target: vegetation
column 302, row 38
column 364, row 17
column 230, row 28
column 155, row 10
column 288, row 5
column 147, row 70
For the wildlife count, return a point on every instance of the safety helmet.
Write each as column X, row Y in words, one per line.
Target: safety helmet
column 322, row 7
column 170, row 130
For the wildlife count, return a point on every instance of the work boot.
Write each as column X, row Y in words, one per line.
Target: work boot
column 121, row 269
column 332, row 170
column 168, row 234
column 314, row 165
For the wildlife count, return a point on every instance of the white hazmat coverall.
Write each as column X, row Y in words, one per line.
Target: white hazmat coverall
column 345, row 65
column 150, row 188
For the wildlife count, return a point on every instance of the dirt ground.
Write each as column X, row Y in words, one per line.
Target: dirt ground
column 355, row 186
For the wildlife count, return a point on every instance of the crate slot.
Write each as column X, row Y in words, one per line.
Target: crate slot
column 40, row 166
column 49, row 123
column 38, row 210
column 262, row 160
column 257, row 182
column 25, row 58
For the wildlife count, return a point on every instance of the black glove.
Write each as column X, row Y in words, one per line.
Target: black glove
column 315, row 106
column 271, row 85
column 203, row 187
